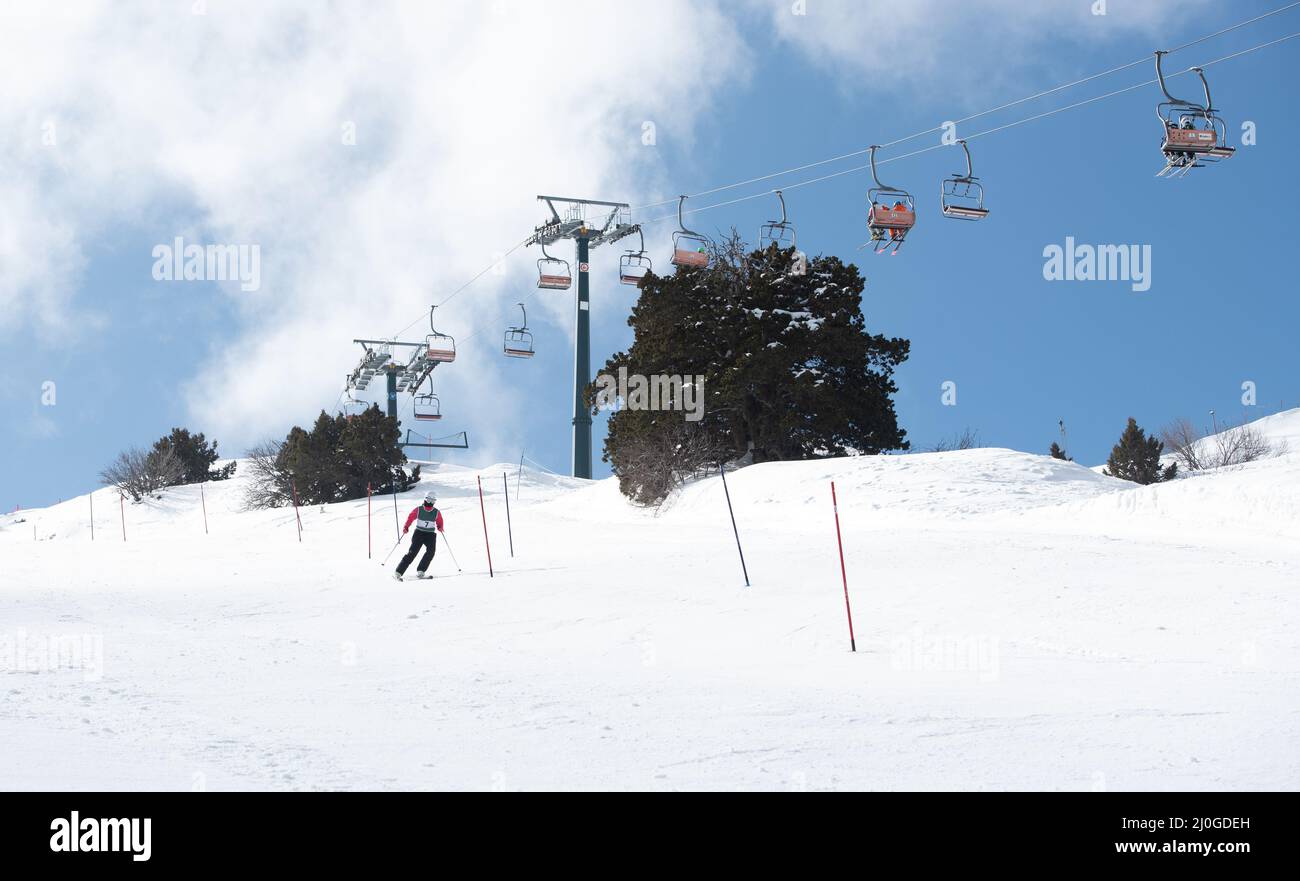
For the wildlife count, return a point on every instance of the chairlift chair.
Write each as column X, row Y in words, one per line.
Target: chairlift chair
column 553, row 273
column 777, row 232
column 634, row 266
column 519, row 340
column 1194, row 134
column 889, row 223
column 351, row 406
column 961, row 196
column 690, row 249
column 439, row 347
column 427, row 407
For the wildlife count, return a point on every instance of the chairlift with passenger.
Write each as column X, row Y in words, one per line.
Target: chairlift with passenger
column 1194, row 134
column 889, row 223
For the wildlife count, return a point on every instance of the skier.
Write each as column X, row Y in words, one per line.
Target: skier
column 428, row 523
column 900, row 211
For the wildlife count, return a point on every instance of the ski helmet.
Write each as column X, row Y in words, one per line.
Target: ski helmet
column 430, row 498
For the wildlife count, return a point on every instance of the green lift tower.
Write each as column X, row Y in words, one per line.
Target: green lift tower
column 608, row 222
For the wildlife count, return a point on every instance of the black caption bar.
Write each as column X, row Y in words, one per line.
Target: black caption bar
column 139, row 831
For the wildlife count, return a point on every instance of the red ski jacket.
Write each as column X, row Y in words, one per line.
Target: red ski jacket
column 424, row 520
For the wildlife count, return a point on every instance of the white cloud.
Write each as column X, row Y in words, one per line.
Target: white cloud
column 231, row 123
column 462, row 113
column 962, row 48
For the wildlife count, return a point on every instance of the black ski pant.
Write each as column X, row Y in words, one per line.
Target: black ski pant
column 426, row 540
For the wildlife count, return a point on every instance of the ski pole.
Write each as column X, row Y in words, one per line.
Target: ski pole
column 390, row 553
column 453, row 556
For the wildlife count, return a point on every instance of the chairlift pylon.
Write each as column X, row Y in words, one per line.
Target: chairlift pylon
column 439, row 347
column 1194, row 134
column 634, row 266
column 889, row 224
column 519, row 340
column 690, row 249
column 553, row 274
column 777, row 232
column 961, row 196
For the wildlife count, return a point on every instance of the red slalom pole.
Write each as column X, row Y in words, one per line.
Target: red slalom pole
column 853, row 645
column 487, row 544
column 204, row 502
column 370, row 551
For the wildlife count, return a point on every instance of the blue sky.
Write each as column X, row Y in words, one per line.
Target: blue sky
column 131, row 357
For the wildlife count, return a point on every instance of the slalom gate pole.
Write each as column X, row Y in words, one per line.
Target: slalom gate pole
column 395, row 546
column 397, row 520
column 92, row 515
column 487, row 544
column 370, row 550
column 449, row 550
column 121, row 510
column 204, row 502
column 294, row 485
column 723, row 472
column 835, row 505
column 509, row 529
column 519, row 479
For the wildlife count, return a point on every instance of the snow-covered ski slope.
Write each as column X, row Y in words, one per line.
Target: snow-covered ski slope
column 1022, row 623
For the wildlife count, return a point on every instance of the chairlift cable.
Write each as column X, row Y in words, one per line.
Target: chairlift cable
column 972, row 137
column 1146, row 59
column 859, row 168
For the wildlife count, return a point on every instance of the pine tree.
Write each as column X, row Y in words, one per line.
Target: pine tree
column 789, row 369
column 195, row 455
column 1137, row 457
column 340, row 457
column 1058, row 453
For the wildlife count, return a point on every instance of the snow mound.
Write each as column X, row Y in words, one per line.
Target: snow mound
column 925, row 487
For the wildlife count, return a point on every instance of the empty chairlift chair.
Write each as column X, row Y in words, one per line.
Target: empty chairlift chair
column 961, row 195
column 1193, row 134
column 690, row 249
column 519, row 340
column 634, row 266
column 777, row 232
column 892, row 213
column 439, row 347
column 553, row 273
column 352, row 408
column 427, row 407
